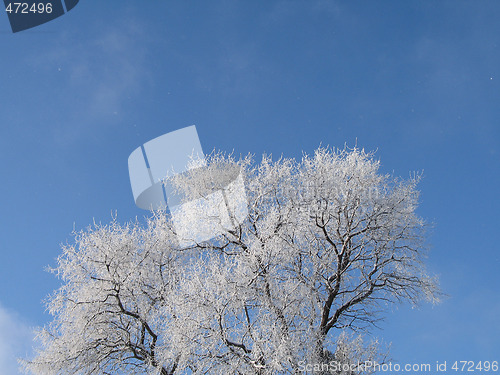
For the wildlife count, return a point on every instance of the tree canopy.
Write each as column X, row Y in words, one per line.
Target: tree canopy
column 328, row 244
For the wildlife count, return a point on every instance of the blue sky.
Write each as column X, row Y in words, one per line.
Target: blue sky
column 417, row 81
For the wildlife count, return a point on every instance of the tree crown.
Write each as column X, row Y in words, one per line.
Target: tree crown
column 328, row 243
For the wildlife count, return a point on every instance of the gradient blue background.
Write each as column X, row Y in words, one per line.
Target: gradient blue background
column 417, row 81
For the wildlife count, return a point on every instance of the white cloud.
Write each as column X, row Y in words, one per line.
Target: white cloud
column 16, row 341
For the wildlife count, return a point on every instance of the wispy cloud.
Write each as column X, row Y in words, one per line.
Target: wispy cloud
column 92, row 77
column 16, row 340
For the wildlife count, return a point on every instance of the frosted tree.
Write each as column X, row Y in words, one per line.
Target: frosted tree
column 328, row 245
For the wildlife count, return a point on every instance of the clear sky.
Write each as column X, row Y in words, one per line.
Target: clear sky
column 418, row 81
